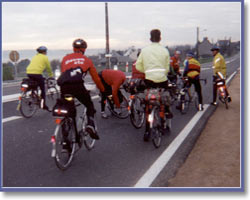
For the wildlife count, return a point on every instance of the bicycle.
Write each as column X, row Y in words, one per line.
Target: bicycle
column 30, row 99
column 220, row 83
column 187, row 95
column 65, row 118
column 136, row 101
column 123, row 111
column 154, row 98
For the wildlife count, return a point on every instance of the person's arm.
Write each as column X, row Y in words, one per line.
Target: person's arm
column 48, row 67
column 95, row 77
column 115, row 88
column 185, row 68
column 217, row 65
column 139, row 64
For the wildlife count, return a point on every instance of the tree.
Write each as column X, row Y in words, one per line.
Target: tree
column 7, row 72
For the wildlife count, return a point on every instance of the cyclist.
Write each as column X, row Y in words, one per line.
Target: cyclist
column 219, row 65
column 75, row 63
column 192, row 71
column 112, row 80
column 174, row 67
column 154, row 62
column 35, row 69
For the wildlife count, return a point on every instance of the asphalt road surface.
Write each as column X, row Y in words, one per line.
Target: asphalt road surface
column 120, row 158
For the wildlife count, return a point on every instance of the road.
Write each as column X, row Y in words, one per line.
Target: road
column 120, row 158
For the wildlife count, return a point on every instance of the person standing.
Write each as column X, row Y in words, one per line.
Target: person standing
column 192, row 71
column 219, row 65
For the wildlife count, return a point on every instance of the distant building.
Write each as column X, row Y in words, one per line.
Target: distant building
column 204, row 48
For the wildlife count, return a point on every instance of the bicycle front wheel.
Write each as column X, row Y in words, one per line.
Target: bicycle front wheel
column 29, row 104
column 87, row 140
column 122, row 112
column 64, row 157
column 52, row 96
column 137, row 114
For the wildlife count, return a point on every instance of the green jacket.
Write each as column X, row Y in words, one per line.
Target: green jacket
column 219, row 65
column 38, row 64
column 154, row 62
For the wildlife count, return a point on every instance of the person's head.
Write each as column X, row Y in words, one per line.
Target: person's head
column 155, row 35
column 190, row 55
column 177, row 54
column 42, row 49
column 215, row 49
column 79, row 45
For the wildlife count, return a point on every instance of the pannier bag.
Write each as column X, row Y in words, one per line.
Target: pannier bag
column 73, row 75
column 64, row 108
column 29, row 84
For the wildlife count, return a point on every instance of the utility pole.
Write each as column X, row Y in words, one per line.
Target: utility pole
column 197, row 45
column 107, row 37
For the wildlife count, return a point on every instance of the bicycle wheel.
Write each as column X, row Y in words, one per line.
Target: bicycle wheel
column 137, row 114
column 29, row 104
column 51, row 97
column 87, row 140
column 122, row 112
column 184, row 103
column 63, row 158
column 155, row 132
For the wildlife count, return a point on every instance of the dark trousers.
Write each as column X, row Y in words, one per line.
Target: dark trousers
column 215, row 89
column 197, row 87
column 79, row 91
column 40, row 80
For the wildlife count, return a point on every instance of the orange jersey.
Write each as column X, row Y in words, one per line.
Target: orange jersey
column 174, row 62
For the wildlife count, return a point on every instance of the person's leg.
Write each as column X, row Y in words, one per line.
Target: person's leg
column 40, row 80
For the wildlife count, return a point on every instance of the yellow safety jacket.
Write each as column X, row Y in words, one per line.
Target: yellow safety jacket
column 219, row 65
column 193, row 68
column 38, row 64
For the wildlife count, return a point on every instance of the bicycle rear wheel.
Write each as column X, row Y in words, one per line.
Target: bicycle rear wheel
column 64, row 158
column 29, row 104
column 137, row 114
column 51, row 97
column 184, row 103
column 155, row 132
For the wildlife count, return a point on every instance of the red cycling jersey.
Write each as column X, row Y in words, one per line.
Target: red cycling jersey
column 115, row 79
column 74, row 60
column 137, row 74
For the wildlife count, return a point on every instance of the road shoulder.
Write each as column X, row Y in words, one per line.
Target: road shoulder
column 215, row 158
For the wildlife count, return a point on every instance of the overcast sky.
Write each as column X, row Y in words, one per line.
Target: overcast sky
column 28, row 25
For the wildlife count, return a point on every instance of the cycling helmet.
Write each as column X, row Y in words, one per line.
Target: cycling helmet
column 190, row 54
column 80, row 43
column 42, row 49
column 215, row 48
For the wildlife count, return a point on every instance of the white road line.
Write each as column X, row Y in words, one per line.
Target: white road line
column 230, row 77
column 150, row 175
column 10, row 119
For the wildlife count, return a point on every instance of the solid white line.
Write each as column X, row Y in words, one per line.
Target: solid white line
column 147, row 179
column 230, row 77
column 10, row 119
column 12, row 97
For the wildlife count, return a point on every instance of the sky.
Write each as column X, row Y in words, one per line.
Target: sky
column 27, row 25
